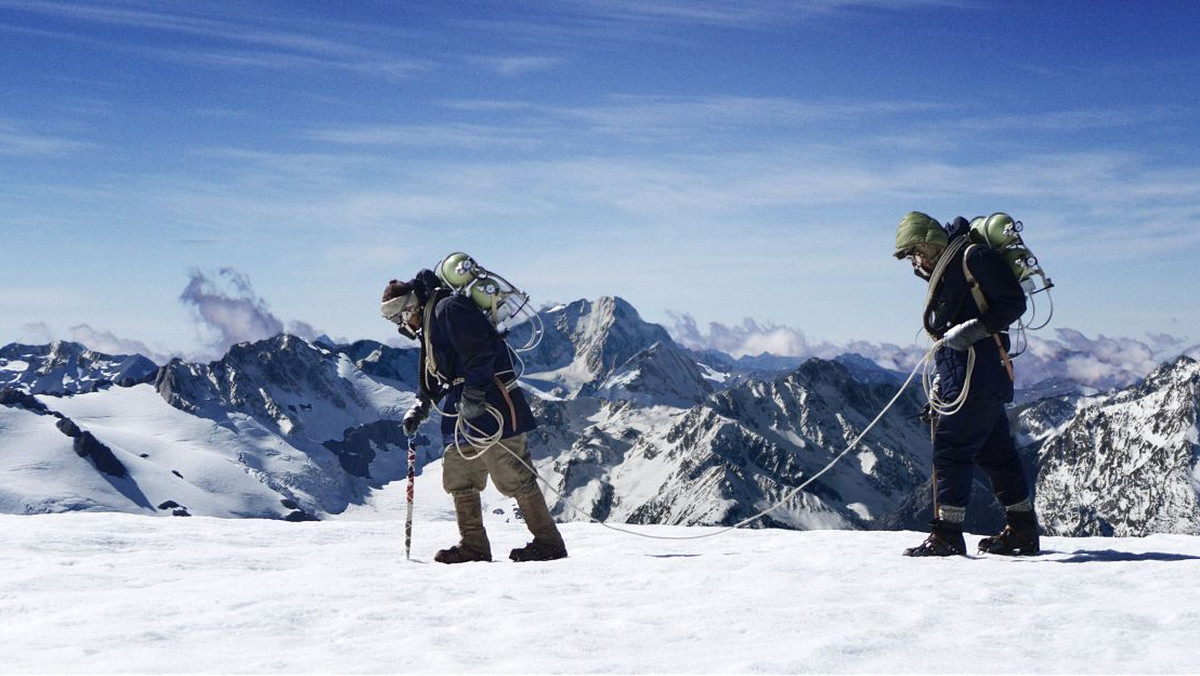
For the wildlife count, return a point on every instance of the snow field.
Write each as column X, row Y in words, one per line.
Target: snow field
column 117, row 593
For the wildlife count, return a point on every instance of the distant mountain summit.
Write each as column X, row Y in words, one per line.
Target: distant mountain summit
column 64, row 368
column 277, row 428
column 604, row 346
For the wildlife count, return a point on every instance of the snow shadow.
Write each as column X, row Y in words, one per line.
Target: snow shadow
column 1114, row 556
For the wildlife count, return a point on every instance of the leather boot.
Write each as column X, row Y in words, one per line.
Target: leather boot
column 473, row 541
column 1019, row 537
column 945, row 539
column 547, row 544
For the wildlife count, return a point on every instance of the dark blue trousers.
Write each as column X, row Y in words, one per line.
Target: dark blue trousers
column 977, row 435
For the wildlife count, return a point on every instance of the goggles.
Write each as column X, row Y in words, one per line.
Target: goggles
column 400, row 312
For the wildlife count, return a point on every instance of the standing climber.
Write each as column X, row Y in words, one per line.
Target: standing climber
column 977, row 433
column 485, row 415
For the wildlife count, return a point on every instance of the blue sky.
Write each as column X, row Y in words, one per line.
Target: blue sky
column 740, row 163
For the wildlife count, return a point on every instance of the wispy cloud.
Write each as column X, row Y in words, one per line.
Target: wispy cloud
column 108, row 343
column 183, row 19
column 372, row 66
column 526, row 158
column 18, row 140
column 450, row 135
column 667, row 20
column 219, row 37
column 1069, row 120
column 515, row 66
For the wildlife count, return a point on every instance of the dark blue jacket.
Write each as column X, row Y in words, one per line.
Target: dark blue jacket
column 953, row 304
column 469, row 352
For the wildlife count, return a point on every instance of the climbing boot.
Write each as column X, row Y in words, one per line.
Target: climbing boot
column 547, row 544
column 1019, row 537
column 473, row 543
column 945, row 539
column 538, row 551
column 459, row 554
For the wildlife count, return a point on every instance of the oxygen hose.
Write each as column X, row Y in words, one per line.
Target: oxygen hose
column 473, row 436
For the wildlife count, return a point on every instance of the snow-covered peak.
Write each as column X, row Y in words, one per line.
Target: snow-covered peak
column 65, row 368
column 1128, row 463
column 660, row 374
column 587, row 341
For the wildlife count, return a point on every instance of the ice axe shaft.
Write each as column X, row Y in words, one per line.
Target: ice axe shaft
column 412, row 480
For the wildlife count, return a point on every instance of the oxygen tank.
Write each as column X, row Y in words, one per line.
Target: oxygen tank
column 1020, row 260
column 457, row 270
column 997, row 231
column 497, row 298
column 504, row 304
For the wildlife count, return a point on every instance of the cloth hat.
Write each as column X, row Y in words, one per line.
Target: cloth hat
column 918, row 228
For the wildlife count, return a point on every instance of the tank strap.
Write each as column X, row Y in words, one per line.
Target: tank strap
column 973, row 283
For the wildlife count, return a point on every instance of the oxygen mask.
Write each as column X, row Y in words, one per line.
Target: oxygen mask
column 402, row 311
column 923, row 259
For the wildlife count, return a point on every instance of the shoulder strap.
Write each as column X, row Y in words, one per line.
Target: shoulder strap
column 431, row 373
column 982, row 303
column 973, row 283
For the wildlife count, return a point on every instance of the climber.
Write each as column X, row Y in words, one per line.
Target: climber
column 977, row 432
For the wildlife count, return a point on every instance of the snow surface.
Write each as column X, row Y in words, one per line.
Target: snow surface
column 120, row 593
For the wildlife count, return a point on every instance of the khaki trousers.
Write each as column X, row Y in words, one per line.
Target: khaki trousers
column 465, row 479
column 461, row 477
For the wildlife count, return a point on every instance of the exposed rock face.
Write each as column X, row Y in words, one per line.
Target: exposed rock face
column 1127, row 464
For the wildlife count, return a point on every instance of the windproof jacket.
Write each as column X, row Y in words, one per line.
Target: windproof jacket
column 953, row 304
column 466, row 351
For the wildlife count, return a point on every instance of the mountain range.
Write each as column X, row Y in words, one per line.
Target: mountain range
column 634, row 428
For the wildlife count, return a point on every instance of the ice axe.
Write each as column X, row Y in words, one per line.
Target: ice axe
column 412, row 480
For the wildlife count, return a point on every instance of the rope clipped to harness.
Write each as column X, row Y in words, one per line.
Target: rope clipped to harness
column 463, row 428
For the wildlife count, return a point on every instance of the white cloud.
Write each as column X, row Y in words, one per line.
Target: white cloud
column 108, row 343
column 230, row 308
column 36, row 333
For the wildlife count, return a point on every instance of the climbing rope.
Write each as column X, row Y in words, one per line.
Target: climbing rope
column 930, row 385
column 472, row 435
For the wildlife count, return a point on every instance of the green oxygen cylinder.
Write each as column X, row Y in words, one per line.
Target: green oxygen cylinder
column 486, row 293
column 1021, row 261
column 457, row 270
column 997, row 231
